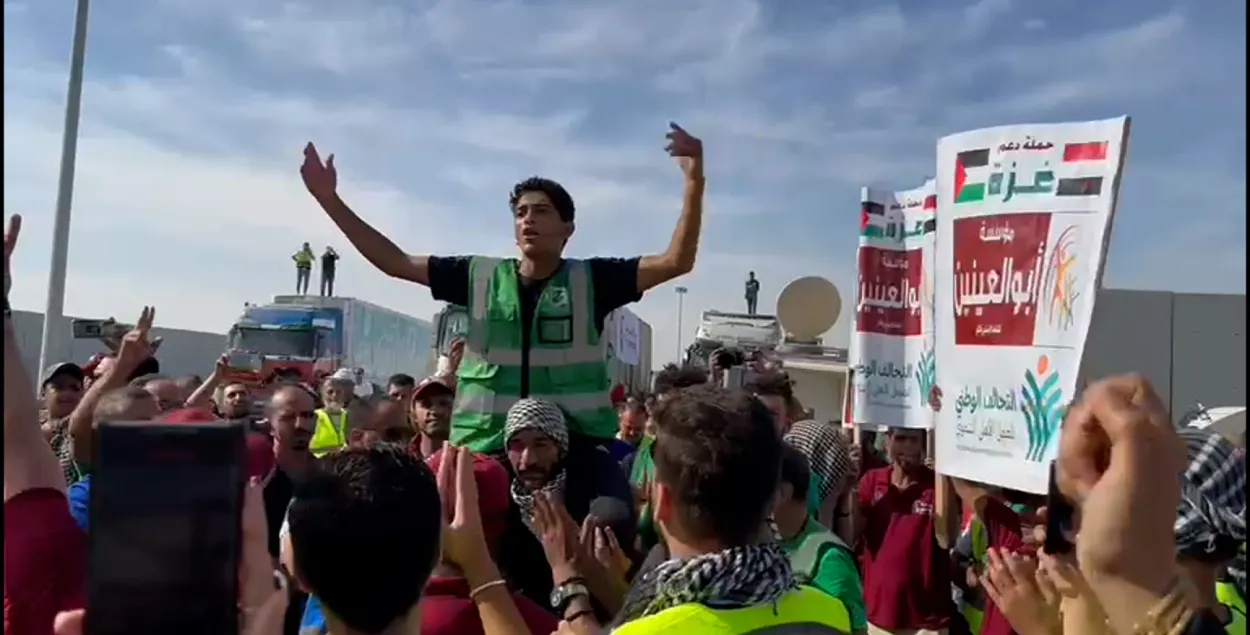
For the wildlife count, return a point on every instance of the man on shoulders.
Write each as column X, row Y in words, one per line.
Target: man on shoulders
column 535, row 321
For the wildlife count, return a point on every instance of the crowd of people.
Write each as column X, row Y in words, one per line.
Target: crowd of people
column 513, row 493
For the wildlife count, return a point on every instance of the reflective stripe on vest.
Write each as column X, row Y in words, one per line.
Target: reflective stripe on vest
column 567, row 358
column 804, row 611
column 806, row 558
column 328, row 437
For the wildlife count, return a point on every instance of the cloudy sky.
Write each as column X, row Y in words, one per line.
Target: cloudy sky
column 195, row 112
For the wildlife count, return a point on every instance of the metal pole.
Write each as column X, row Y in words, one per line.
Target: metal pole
column 54, row 348
column 681, row 295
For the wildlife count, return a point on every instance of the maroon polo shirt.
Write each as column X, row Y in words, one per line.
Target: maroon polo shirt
column 906, row 573
column 45, row 562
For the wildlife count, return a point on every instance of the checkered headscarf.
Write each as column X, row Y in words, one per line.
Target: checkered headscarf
column 827, row 454
column 1213, row 499
column 543, row 416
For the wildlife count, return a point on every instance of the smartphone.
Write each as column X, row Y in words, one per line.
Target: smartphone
column 87, row 329
column 164, row 518
column 1060, row 514
column 243, row 361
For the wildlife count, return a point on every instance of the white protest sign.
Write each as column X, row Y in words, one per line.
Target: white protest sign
column 627, row 336
column 891, row 353
column 1024, row 216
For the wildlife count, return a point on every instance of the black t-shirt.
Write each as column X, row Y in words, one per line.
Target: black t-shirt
column 615, row 282
column 328, row 261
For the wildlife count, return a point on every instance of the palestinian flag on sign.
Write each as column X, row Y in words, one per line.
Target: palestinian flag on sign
column 867, row 210
column 971, row 171
column 1089, row 151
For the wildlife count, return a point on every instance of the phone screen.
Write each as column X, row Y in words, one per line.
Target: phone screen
column 87, row 329
column 165, row 528
column 1059, row 516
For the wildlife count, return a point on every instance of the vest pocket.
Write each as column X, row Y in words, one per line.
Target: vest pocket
column 554, row 330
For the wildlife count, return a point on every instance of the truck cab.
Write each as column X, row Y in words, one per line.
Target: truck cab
column 268, row 342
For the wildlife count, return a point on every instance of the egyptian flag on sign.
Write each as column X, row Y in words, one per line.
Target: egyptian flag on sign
column 1087, row 152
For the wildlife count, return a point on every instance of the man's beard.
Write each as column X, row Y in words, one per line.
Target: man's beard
column 437, row 429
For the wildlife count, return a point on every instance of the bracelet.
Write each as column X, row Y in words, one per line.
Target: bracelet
column 579, row 615
column 577, row 579
column 1169, row 616
column 485, row 587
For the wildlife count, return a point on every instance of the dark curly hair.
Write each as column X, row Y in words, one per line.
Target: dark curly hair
column 718, row 452
column 772, row 383
column 673, row 377
column 559, row 196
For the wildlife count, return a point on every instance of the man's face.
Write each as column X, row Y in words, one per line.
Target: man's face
column 533, row 456
column 537, row 225
column 399, row 394
column 389, row 425
column 61, row 395
column 632, row 421
column 905, row 447
column 431, row 412
column 337, row 394
column 235, row 401
column 776, row 405
column 168, row 394
column 293, row 417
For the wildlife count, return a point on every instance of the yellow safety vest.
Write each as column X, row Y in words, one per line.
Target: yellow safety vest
column 805, row 606
column 327, row 436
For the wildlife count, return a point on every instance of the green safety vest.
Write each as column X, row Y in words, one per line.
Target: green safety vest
column 328, row 436
column 804, row 611
column 806, row 558
column 1228, row 595
column 567, row 360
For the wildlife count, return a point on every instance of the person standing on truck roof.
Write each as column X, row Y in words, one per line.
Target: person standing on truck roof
column 329, row 262
column 303, row 268
column 534, row 321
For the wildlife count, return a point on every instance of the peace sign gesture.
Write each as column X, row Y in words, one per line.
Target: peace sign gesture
column 687, row 149
column 136, row 346
column 10, row 243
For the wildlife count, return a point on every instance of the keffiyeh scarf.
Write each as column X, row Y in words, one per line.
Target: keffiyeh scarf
column 524, row 497
column 827, row 454
column 738, row 577
column 1212, row 511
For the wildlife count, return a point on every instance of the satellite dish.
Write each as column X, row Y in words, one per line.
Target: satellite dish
column 808, row 307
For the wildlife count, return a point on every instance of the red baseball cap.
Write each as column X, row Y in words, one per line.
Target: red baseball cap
column 493, row 497
column 434, row 382
column 259, row 448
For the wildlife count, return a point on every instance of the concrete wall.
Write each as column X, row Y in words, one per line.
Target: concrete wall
column 182, row 353
column 1191, row 346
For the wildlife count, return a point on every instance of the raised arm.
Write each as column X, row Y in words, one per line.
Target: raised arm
column 28, row 459
column 679, row 258
column 321, row 179
column 134, row 349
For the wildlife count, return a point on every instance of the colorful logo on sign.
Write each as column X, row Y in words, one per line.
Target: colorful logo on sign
column 1043, row 409
column 977, row 179
column 926, row 374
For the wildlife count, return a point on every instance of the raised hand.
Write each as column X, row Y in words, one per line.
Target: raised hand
column 687, row 149
column 10, row 243
column 557, row 531
column 1025, row 595
column 135, row 346
column 321, row 179
column 464, row 539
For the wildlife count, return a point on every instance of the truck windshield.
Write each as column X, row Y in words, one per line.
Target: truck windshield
column 455, row 323
column 284, row 342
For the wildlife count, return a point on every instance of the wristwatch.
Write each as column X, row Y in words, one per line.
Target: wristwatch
column 564, row 594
